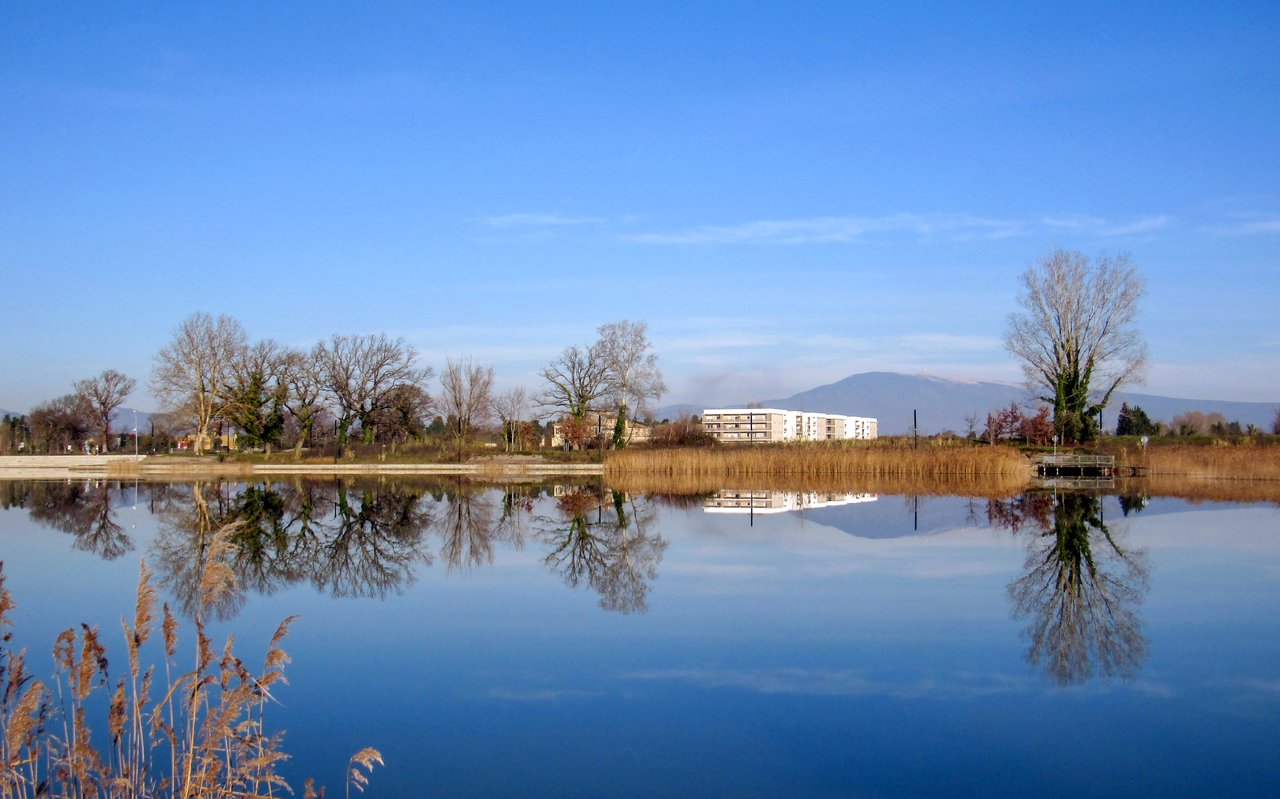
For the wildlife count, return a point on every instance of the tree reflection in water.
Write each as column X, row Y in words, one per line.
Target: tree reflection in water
column 602, row 539
column 347, row 542
column 356, row 538
column 1081, row 591
column 81, row 508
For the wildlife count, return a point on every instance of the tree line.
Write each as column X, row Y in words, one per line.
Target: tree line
column 1014, row 424
column 211, row 380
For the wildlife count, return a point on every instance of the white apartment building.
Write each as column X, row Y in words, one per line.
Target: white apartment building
column 770, row 425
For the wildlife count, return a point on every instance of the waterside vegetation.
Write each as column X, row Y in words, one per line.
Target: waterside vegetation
column 168, row 733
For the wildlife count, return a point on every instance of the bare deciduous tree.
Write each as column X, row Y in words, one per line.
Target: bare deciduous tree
column 103, row 394
column 191, row 372
column 360, row 371
column 302, row 376
column 466, row 396
column 575, row 380
column 632, row 370
column 59, row 423
column 1076, row 339
column 510, row 407
column 404, row 415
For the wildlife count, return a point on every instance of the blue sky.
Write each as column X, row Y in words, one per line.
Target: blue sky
column 787, row 193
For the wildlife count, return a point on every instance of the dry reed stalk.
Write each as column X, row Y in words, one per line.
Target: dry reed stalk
column 211, row 719
column 1247, row 460
column 124, row 468
column 825, row 460
column 983, row 486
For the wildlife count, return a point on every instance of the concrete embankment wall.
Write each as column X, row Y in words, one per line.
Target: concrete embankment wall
column 58, row 466
column 17, row 467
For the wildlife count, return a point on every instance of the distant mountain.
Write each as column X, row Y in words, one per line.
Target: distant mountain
column 942, row 403
column 4, row 413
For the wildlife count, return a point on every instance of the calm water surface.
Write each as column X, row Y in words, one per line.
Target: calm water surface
column 571, row 641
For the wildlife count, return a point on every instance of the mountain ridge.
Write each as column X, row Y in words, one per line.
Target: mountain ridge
column 942, row 403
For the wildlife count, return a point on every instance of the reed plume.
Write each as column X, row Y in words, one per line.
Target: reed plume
column 206, row 736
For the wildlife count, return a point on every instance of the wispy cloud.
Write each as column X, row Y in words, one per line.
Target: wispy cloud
column 1092, row 225
column 539, row 220
column 850, row 229
column 539, row 695
column 1251, row 225
column 833, row 229
column 845, row 682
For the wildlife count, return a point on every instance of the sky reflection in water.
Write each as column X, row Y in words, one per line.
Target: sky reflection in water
column 573, row 641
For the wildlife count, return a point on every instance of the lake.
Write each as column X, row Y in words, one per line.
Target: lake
column 567, row 640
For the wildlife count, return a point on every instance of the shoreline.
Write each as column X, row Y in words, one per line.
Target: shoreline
column 43, row 467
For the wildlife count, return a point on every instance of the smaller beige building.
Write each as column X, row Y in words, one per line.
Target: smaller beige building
column 772, row 425
column 600, row 424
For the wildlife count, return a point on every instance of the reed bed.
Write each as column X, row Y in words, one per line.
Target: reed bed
column 952, row 465
column 204, row 736
column 982, row 486
column 1245, row 460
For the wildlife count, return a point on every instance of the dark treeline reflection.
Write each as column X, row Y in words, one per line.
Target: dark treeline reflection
column 82, row 508
column 1081, row 589
column 354, row 538
column 602, row 538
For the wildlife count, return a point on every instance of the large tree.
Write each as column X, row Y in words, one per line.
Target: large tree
column 257, row 393
column 632, row 371
column 575, row 380
column 466, row 396
column 191, row 372
column 302, row 375
column 103, row 394
column 360, row 372
column 1076, row 336
column 59, row 423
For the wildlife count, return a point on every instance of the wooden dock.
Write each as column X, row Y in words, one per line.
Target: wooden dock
column 1082, row 470
column 1076, row 466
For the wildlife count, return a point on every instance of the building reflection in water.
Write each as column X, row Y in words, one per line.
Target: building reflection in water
column 767, row 501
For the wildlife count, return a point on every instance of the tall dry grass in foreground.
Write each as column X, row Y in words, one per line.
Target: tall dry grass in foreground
column 204, row 736
column 878, row 467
